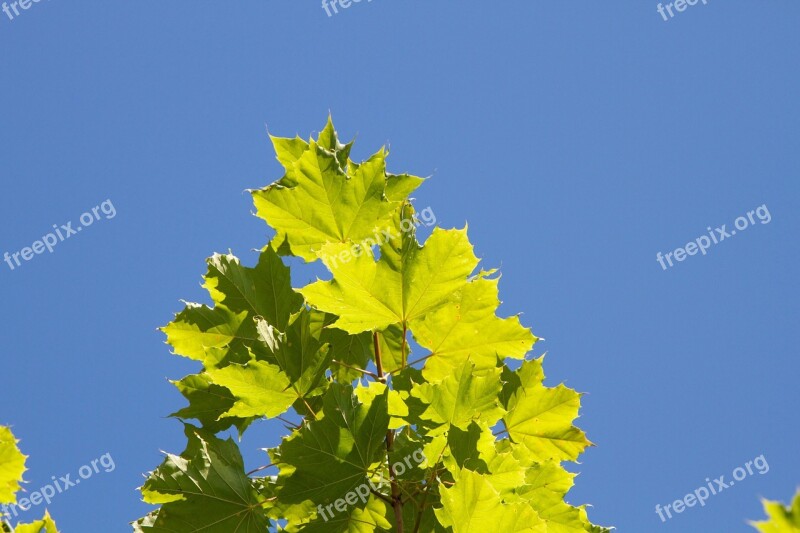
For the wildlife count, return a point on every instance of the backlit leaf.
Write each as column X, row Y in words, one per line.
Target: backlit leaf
column 12, row 466
column 781, row 519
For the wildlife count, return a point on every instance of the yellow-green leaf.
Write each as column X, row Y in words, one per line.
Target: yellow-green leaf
column 461, row 398
column 12, row 466
column 467, row 327
column 350, row 205
column 368, row 295
column 473, row 505
column 259, row 389
column 781, row 518
column 45, row 525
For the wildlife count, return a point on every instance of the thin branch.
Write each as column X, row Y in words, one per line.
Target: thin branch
column 408, row 497
column 259, row 469
column 378, row 360
column 351, row 367
column 292, row 424
column 421, row 359
column 424, row 487
column 381, row 496
column 421, row 507
column 397, row 502
column 502, row 432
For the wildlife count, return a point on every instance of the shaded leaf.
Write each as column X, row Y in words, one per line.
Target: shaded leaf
column 203, row 489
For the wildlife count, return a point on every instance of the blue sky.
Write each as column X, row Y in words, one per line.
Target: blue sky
column 577, row 141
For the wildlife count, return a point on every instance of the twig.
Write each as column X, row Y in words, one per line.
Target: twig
column 421, row 359
column 502, row 432
column 381, row 496
column 378, row 361
column 259, row 469
column 434, row 473
column 295, row 426
column 351, row 367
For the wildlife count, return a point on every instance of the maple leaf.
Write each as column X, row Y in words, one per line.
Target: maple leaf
column 12, row 466
column 472, row 504
column 350, row 200
column 203, row 489
column 369, row 295
column 781, row 518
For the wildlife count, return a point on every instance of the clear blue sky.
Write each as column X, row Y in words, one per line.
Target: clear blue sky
column 577, row 139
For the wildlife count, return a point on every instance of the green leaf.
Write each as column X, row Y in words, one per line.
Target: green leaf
column 358, row 350
column 540, row 418
column 781, row 519
column 226, row 333
column 398, row 410
column 358, row 518
column 300, row 352
column 370, row 296
column 331, row 456
column 259, row 389
column 461, row 398
column 352, row 350
column 329, row 139
column 468, row 328
column 531, row 373
column 348, row 206
column 264, row 291
column 469, row 449
column 208, row 404
column 213, row 336
column 472, row 504
column 546, row 486
column 399, row 186
column 394, row 352
column 12, row 466
column 203, row 489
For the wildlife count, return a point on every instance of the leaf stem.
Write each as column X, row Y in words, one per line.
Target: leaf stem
column 403, row 345
column 378, row 361
column 310, row 410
